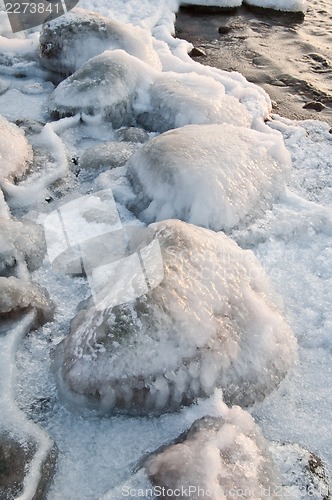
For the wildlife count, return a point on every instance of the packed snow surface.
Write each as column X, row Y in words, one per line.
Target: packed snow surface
column 210, row 175
column 283, row 5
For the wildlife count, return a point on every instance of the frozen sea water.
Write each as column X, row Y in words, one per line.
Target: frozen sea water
column 292, row 241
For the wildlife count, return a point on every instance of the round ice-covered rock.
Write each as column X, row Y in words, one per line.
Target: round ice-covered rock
column 15, row 151
column 106, row 85
column 211, row 322
column 18, row 294
column 107, row 155
column 218, row 456
column 71, row 40
column 20, row 242
column 176, row 100
column 214, row 176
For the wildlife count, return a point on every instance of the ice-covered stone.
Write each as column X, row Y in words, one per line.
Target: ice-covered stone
column 222, row 457
column 71, row 40
column 283, row 5
column 20, row 241
column 212, row 322
column 132, row 134
column 106, row 85
column 107, row 155
column 176, row 100
column 214, row 176
column 19, row 294
column 16, row 455
column 15, row 151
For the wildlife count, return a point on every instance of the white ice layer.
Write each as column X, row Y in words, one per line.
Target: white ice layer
column 209, row 175
column 211, row 322
column 283, row 5
column 213, row 3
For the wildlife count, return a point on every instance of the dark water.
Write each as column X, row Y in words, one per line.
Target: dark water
column 290, row 57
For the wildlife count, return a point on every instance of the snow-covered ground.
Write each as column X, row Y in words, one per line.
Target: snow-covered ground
column 290, row 234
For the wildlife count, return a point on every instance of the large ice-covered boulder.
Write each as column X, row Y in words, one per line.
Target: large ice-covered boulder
column 176, row 100
column 71, row 40
column 15, row 151
column 211, row 322
column 106, row 85
column 18, row 295
column 219, row 458
column 214, row 176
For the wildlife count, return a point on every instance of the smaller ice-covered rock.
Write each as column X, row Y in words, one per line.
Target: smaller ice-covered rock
column 20, row 241
column 15, row 151
column 214, row 176
column 18, row 294
column 107, row 155
column 210, row 322
column 16, row 457
column 71, row 40
column 176, row 100
column 106, row 85
column 219, row 458
column 132, row 134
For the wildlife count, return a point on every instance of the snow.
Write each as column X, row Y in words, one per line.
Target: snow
column 214, row 176
column 283, row 5
column 154, row 355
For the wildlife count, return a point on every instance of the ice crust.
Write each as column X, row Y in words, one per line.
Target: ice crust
column 15, row 151
column 222, row 456
column 211, row 322
column 70, row 41
column 209, row 175
column 284, row 5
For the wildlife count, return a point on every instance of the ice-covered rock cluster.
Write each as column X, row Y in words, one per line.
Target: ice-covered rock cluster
column 212, row 322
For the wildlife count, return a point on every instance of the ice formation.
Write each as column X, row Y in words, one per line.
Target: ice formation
column 107, row 85
column 19, row 294
column 70, row 41
column 175, row 100
column 211, row 322
column 15, row 151
column 223, row 457
column 209, row 175
column 283, row 5
column 107, row 155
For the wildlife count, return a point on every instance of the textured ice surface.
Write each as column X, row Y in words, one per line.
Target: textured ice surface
column 105, row 85
column 69, row 41
column 210, row 175
column 15, row 151
column 211, row 322
column 213, row 3
column 175, row 100
column 222, row 456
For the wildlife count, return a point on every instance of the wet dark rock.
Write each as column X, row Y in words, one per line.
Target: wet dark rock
column 224, row 30
column 196, row 52
column 316, row 106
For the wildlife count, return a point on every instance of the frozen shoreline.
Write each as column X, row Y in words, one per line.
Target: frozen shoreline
column 291, row 240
